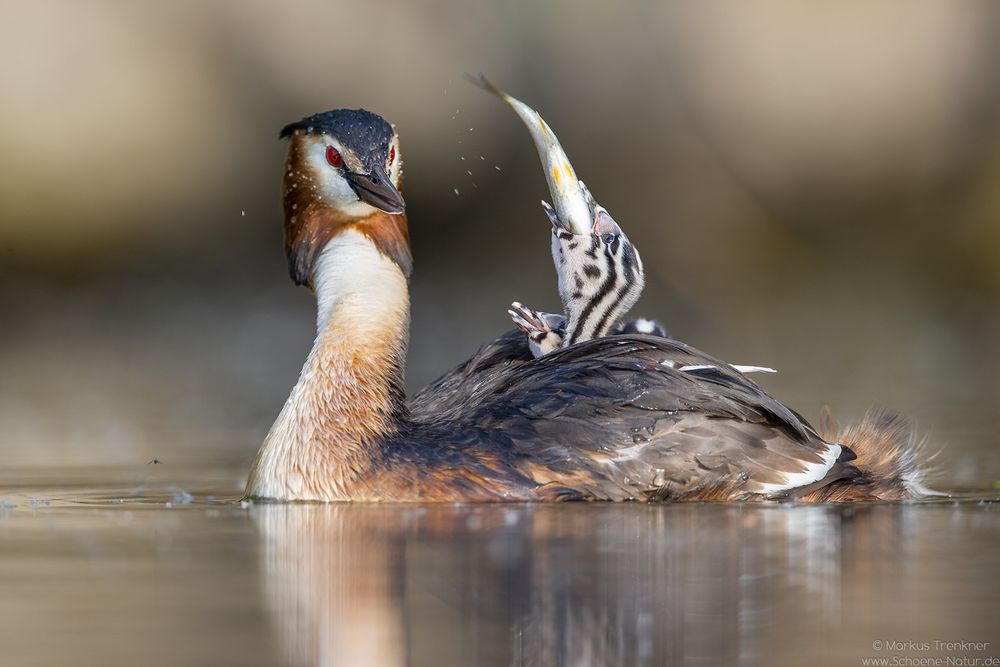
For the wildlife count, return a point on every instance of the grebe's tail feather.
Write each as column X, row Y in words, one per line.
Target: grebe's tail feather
column 889, row 455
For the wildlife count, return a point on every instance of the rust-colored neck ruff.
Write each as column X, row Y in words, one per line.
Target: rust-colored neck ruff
column 350, row 392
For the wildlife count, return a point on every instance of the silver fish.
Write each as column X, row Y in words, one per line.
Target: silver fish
column 568, row 195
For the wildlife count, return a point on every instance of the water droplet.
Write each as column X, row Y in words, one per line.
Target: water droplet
column 481, row 157
column 468, row 172
column 243, row 213
column 456, row 192
column 496, row 167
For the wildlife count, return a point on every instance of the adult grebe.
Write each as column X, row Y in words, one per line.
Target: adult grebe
column 611, row 418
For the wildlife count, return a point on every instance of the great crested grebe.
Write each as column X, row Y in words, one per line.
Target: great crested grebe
column 611, row 418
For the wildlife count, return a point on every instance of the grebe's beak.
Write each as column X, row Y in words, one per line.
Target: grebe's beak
column 568, row 197
column 376, row 189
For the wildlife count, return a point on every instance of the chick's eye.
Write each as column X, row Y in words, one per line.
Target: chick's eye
column 333, row 157
column 392, row 155
column 608, row 238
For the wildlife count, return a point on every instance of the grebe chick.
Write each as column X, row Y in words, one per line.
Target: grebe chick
column 546, row 331
column 599, row 270
column 644, row 325
column 607, row 419
column 600, row 277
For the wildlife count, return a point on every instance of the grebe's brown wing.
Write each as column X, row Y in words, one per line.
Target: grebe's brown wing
column 619, row 417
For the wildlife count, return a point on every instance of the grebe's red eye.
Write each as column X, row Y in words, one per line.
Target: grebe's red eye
column 333, row 156
column 392, row 155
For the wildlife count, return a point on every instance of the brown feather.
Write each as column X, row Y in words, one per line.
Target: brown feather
column 888, row 458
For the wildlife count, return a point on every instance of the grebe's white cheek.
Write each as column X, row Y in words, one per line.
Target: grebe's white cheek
column 328, row 182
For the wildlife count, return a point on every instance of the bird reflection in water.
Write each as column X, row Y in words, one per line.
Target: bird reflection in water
column 561, row 585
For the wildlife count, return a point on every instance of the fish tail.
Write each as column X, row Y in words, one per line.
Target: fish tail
column 480, row 80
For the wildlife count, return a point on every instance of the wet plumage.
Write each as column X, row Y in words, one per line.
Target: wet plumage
column 617, row 417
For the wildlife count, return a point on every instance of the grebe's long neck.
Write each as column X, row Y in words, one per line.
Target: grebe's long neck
column 350, row 392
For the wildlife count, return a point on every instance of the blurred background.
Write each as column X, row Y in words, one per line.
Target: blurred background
column 813, row 187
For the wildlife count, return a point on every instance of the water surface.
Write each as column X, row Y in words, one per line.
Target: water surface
column 156, row 566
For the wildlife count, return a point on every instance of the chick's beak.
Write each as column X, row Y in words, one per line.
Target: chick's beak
column 558, row 226
column 376, row 189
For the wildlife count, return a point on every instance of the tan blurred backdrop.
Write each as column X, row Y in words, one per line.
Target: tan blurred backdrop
column 813, row 186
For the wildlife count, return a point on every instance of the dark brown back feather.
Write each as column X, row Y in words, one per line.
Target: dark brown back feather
column 608, row 419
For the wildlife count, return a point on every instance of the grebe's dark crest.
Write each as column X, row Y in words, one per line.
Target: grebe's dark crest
column 615, row 418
